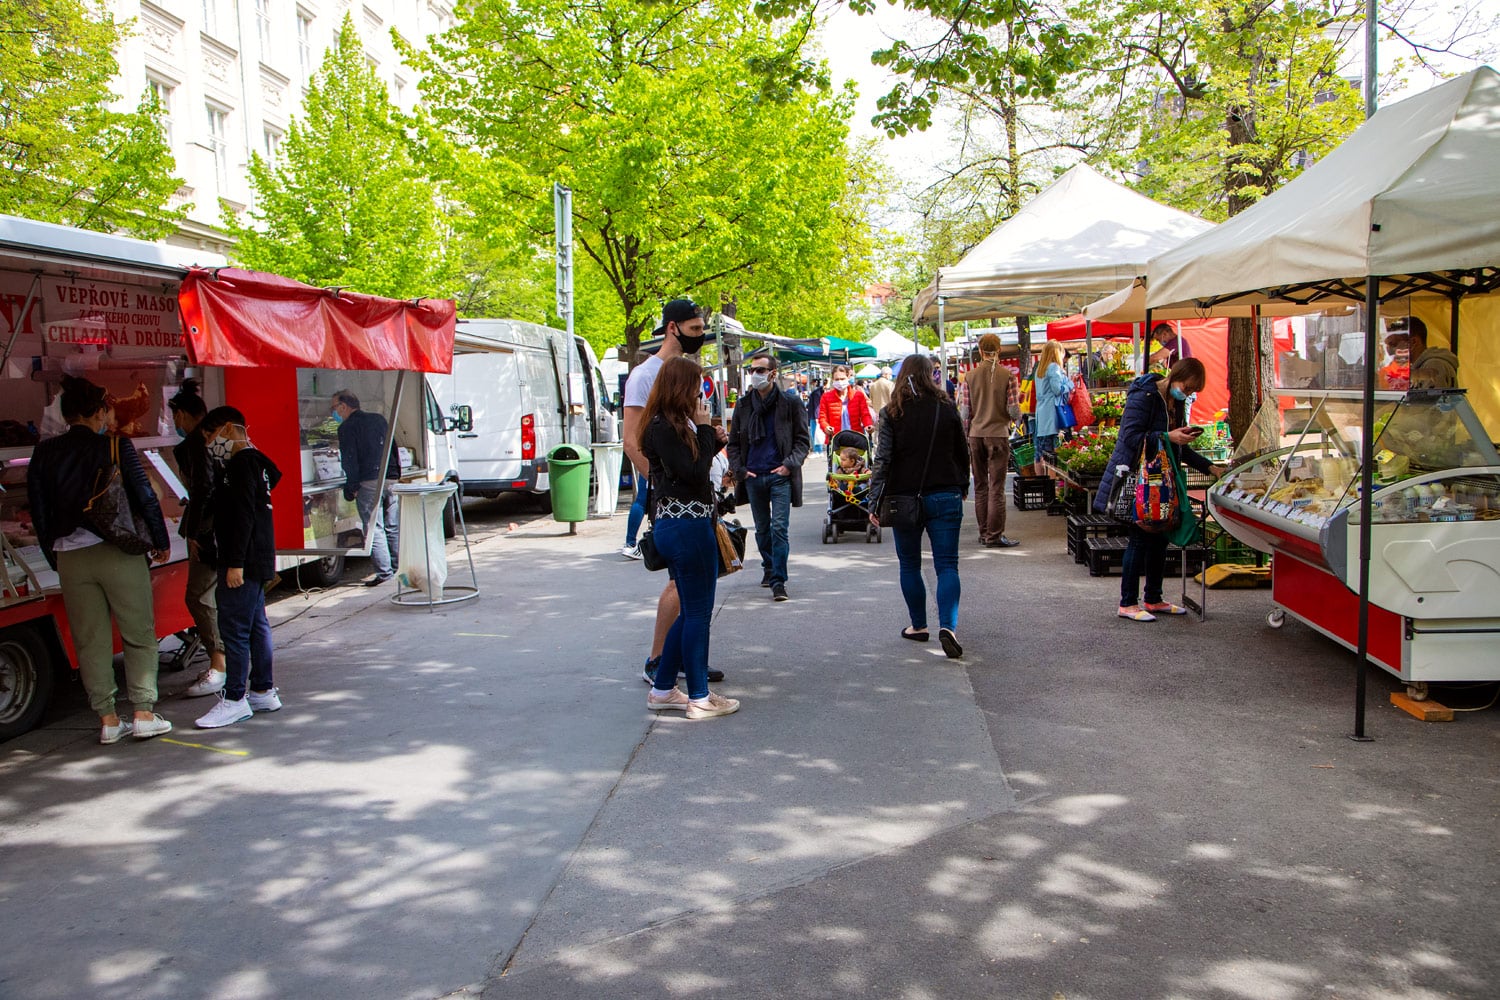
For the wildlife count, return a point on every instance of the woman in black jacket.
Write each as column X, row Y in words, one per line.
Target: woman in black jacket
column 679, row 441
column 923, row 452
column 102, row 586
column 245, row 540
column 1154, row 405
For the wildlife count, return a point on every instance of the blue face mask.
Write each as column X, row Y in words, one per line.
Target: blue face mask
column 182, row 434
column 338, row 417
column 1178, row 394
column 103, row 430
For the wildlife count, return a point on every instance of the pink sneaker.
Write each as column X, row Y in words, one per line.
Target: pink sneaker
column 673, row 701
column 711, row 707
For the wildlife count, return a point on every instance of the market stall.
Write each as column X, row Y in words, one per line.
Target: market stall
column 138, row 318
column 1365, row 497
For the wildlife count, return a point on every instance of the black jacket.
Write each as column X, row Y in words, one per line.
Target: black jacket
column 1144, row 420
column 361, row 444
column 63, row 476
column 792, row 440
column 243, row 529
column 197, row 475
column 675, row 473
column 903, row 449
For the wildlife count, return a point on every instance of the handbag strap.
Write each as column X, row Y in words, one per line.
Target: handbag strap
column 927, row 461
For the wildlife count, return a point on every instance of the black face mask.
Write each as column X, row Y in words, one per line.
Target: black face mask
column 690, row 345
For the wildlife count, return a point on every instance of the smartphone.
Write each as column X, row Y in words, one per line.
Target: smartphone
column 1195, row 429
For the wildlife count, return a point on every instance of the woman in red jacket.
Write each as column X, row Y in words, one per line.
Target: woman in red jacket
column 843, row 407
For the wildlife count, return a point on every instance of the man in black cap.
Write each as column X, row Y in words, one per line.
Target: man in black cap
column 682, row 333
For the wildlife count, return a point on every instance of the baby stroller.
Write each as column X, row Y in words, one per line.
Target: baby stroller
column 848, row 493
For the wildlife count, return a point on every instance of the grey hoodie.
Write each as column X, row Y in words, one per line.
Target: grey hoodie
column 1437, row 368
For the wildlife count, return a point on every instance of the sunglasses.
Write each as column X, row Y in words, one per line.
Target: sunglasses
column 762, row 370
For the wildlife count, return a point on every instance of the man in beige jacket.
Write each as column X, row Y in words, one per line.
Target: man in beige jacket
column 993, row 403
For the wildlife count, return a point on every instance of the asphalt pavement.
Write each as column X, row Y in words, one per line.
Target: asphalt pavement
column 474, row 801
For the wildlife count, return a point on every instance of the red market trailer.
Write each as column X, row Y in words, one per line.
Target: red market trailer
column 138, row 319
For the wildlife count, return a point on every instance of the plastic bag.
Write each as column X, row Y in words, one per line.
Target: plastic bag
column 423, row 557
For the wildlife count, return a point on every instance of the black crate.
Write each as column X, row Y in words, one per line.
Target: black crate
column 1082, row 527
column 1070, row 501
column 1104, row 554
column 1032, row 492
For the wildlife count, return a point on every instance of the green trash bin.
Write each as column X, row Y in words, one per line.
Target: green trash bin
column 568, row 467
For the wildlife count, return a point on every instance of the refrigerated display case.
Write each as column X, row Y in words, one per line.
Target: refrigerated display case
column 1293, row 490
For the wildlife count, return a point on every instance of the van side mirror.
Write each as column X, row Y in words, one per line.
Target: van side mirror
column 462, row 419
column 617, row 402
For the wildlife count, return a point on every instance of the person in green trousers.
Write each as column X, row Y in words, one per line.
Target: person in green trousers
column 102, row 586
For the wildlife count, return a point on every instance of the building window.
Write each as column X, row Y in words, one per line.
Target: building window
column 162, row 94
column 218, row 144
column 211, row 16
column 400, row 93
column 263, row 24
column 271, row 146
column 304, row 44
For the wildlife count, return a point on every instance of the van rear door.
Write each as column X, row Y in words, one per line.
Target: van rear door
column 488, row 382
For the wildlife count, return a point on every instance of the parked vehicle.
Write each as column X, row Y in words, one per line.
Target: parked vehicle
column 510, row 389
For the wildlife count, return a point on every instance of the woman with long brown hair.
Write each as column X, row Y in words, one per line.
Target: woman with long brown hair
column 923, row 453
column 679, row 441
column 1052, row 387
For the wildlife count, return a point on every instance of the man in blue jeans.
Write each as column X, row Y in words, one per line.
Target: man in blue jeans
column 768, row 442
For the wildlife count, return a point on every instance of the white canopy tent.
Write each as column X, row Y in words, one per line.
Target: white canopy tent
column 1410, row 197
column 890, row 345
column 1080, row 239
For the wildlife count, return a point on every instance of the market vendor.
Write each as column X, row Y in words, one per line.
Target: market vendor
column 1397, row 374
column 361, row 444
column 1431, row 367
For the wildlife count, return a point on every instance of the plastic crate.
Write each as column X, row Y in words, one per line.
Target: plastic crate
column 1032, row 492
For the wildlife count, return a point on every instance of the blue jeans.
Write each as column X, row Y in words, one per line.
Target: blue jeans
column 246, row 636
column 692, row 554
column 944, row 513
column 1145, row 554
column 771, row 507
column 637, row 512
column 381, row 523
column 1046, row 444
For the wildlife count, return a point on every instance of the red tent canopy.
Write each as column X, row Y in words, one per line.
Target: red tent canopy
column 240, row 318
column 1071, row 328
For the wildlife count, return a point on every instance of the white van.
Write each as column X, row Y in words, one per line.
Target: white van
column 509, row 396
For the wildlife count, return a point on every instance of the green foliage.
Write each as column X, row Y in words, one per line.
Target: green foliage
column 706, row 157
column 65, row 157
column 1229, row 98
column 347, row 204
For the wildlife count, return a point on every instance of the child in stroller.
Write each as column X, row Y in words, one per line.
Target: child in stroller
column 848, row 488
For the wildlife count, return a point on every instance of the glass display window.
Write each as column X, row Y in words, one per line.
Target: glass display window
column 330, row 521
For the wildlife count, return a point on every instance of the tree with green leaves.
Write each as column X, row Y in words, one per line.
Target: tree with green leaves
column 706, row 156
column 347, row 203
column 65, row 155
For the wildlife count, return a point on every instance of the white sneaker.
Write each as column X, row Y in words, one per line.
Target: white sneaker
column 114, row 734
column 156, row 727
column 211, row 681
column 265, row 701
column 225, row 713
column 630, row 551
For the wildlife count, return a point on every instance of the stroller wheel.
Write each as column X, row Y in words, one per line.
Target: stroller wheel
column 827, row 533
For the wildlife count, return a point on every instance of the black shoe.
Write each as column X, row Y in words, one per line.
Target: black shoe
column 715, row 676
column 950, row 643
column 648, row 672
column 1005, row 542
column 376, row 581
column 778, row 592
column 765, row 579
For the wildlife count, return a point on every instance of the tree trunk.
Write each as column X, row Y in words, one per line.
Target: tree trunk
column 1023, row 341
column 1244, row 395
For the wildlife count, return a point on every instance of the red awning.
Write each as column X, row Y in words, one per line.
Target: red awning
column 1072, row 328
column 240, row 318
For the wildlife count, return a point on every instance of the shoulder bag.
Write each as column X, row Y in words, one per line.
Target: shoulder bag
column 1156, row 496
column 905, row 512
column 651, row 558
column 109, row 512
column 1082, row 404
column 731, row 537
column 1189, row 527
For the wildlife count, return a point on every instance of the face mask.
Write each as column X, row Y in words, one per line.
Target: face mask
column 219, row 450
column 182, row 434
column 338, row 417
column 840, row 384
column 691, row 345
column 103, row 430
column 758, row 380
column 1178, row 394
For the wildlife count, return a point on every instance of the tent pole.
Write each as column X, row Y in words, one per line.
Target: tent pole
column 1088, row 352
column 1366, row 487
column 941, row 302
column 1453, row 324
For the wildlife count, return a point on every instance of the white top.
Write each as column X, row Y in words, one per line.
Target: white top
column 81, row 538
column 638, row 385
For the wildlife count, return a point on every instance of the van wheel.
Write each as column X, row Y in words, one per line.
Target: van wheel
column 26, row 681
column 450, row 517
column 325, row 572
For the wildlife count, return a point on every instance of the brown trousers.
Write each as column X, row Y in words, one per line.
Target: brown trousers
column 990, row 458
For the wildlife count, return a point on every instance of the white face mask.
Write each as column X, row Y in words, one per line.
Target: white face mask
column 219, row 450
column 840, row 384
column 758, row 380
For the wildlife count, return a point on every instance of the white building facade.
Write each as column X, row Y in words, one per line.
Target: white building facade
column 231, row 74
